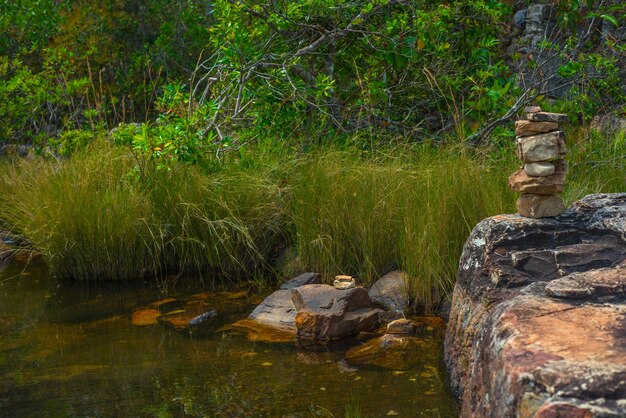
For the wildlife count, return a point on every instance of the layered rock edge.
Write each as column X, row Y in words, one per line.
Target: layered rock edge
column 538, row 318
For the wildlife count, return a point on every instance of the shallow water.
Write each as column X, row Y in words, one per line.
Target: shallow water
column 71, row 350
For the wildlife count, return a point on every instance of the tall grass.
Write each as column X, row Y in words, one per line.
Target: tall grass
column 345, row 211
column 365, row 217
column 92, row 221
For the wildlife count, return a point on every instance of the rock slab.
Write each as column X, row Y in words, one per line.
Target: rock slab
column 538, row 319
column 325, row 313
column 544, row 147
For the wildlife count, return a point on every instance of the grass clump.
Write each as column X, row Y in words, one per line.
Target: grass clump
column 91, row 220
column 365, row 217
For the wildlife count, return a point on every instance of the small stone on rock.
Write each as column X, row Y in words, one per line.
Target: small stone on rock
column 547, row 117
column 344, row 282
column 532, row 109
column 539, row 169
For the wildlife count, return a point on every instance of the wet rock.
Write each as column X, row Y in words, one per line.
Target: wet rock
column 196, row 319
column 400, row 327
column 167, row 305
column 325, row 313
column 259, row 331
column 392, row 352
column 521, row 182
column 301, row 280
column 547, row 117
column 390, row 292
column 276, row 309
column 537, row 323
column 539, row 169
column 544, row 147
column 540, row 205
column 528, row 128
column 145, row 317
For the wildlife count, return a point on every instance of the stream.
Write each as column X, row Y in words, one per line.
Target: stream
column 71, row 350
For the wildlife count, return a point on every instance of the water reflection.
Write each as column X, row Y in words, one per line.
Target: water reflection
column 72, row 350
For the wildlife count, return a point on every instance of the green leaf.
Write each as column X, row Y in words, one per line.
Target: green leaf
column 610, row 19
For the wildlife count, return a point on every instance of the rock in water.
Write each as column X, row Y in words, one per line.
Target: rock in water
column 400, row 327
column 390, row 292
column 527, row 127
column 325, row 313
column 537, row 323
column 540, row 206
column 547, row 117
column 145, row 317
column 392, row 352
column 539, row 169
column 544, row 147
column 276, row 309
column 301, row 280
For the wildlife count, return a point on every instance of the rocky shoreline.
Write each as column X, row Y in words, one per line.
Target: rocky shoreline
column 538, row 319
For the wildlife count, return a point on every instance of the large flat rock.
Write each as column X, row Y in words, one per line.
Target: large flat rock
column 538, row 320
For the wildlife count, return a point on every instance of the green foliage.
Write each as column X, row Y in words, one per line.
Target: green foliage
column 32, row 103
column 92, row 222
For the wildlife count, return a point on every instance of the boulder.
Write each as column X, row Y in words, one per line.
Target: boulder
column 390, row 292
column 539, row 169
column 325, row 313
column 276, row 309
column 301, row 280
column 527, row 127
column 537, row 323
column 540, row 206
column 547, row 117
column 544, row 147
column 521, row 182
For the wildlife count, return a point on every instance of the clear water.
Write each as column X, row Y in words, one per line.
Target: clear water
column 71, row 350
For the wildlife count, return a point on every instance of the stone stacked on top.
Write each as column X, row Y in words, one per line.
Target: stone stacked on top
column 541, row 147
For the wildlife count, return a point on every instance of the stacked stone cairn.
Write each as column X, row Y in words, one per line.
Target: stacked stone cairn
column 541, row 147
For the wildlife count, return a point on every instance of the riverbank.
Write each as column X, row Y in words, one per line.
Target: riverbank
column 262, row 213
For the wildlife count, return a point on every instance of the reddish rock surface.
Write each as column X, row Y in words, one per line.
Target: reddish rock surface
column 538, row 320
column 325, row 313
column 521, row 182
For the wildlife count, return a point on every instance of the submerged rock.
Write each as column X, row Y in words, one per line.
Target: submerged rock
column 393, row 352
column 390, row 292
column 537, row 323
column 145, row 317
column 401, row 327
column 260, row 331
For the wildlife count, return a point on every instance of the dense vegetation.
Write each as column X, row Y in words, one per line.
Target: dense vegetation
column 223, row 137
